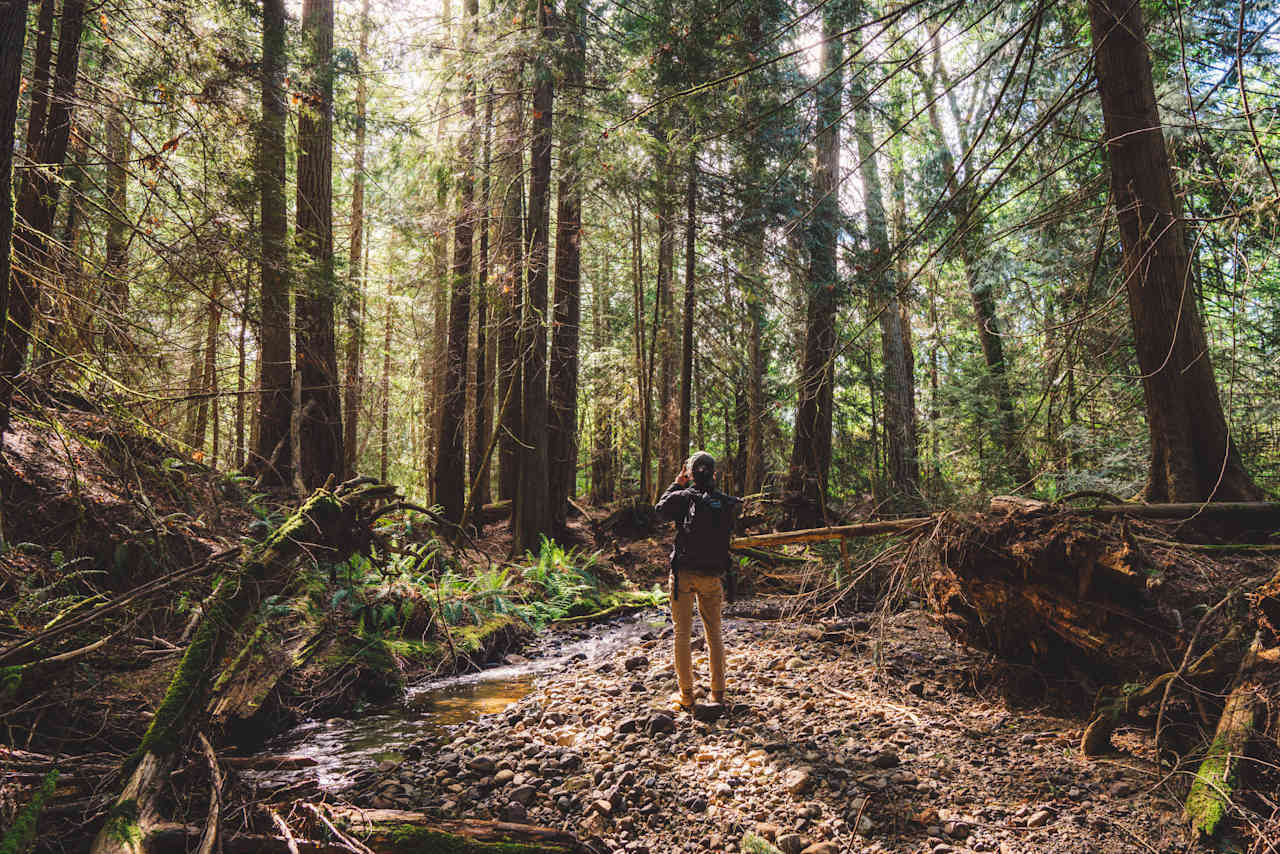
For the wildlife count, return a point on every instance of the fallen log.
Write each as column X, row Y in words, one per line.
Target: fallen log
column 817, row 535
column 385, row 832
column 333, row 524
column 1215, row 782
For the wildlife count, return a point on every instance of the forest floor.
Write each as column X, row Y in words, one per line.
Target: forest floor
column 858, row 733
column 855, row 735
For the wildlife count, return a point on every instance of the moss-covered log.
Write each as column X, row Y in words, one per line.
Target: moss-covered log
column 1214, row 786
column 331, row 525
column 389, row 832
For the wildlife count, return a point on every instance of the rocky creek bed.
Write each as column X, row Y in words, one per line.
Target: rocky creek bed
column 852, row 736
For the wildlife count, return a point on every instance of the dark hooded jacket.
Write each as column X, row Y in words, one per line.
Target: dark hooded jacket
column 708, row 553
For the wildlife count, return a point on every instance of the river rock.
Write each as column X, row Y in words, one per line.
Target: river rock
column 886, row 759
column 822, row 848
column 515, row 812
column 523, row 795
column 798, row 781
column 636, row 662
column 661, row 722
column 482, row 765
column 791, row 843
column 504, row 777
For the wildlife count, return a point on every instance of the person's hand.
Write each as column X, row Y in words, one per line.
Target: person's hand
column 683, row 477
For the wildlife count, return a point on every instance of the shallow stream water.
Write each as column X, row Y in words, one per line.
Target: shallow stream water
column 343, row 747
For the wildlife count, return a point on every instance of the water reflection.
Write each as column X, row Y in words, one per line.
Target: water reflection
column 342, row 748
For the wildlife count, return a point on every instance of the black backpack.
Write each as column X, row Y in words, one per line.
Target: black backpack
column 708, row 528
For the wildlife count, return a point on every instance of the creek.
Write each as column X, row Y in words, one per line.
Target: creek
column 341, row 748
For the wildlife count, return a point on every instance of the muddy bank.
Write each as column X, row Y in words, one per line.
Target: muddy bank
column 837, row 739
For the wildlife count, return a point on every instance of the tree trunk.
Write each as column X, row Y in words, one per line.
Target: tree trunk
column 273, row 459
column 669, row 460
column 320, row 425
column 38, row 196
column 330, row 524
column 602, row 475
column 899, row 375
column 243, row 322
column 451, row 470
column 116, row 284
column 509, row 279
column 1193, row 456
column 482, row 417
column 1008, row 435
column 644, row 392
column 385, row 397
column 811, row 453
column 533, row 513
column 690, row 267
column 567, row 312
column 353, row 382
column 209, row 373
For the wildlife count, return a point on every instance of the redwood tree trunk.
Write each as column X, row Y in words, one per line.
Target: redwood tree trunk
column 811, row 453
column 1193, row 457
column 563, row 385
column 320, row 421
column 532, row 514
column 273, row 456
column 38, row 198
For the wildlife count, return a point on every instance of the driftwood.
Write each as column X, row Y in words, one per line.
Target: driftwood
column 331, row 523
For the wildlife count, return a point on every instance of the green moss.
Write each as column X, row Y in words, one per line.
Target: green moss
column 19, row 837
column 122, row 823
column 473, row 639
column 223, row 610
column 1207, row 803
column 412, row 839
column 423, row 653
column 752, row 844
column 249, row 649
column 10, row 681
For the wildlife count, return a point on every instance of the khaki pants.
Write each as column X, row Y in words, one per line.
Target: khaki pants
column 710, row 595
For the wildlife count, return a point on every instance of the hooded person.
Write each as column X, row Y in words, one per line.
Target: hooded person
column 701, row 568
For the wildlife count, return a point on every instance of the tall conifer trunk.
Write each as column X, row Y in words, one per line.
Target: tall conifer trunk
column 902, row 463
column 811, row 453
column 567, row 312
column 690, row 268
column 47, row 138
column 353, row 381
column 1193, row 457
column 532, row 513
column 273, row 455
column 509, row 279
column 320, row 421
column 482, row 416
column 451, row 469
column 13, row 33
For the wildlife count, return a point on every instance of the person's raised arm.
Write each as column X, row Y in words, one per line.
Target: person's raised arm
column 674, row 503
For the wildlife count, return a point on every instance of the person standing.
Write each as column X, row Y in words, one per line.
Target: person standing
column 700, row 566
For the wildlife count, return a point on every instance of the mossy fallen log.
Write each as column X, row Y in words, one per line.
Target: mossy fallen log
column 1216, row 780
column 330, row 524
column 387, row 832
